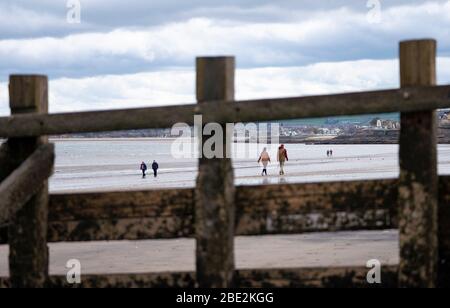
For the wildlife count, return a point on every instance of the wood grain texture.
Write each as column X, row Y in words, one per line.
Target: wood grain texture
column 299, row 198
column 444, row 233
column 268, row 209
column 5, row 155
column 341, row 277
column 215, row 191
column 418, row 183
column 395, row 100
column 21, row 185
column 27, row 232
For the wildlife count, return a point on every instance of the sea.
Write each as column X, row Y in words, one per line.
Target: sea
column 88, row 165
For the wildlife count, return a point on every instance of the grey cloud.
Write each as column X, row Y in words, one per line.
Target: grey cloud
column 331, row 36
column 106, row 15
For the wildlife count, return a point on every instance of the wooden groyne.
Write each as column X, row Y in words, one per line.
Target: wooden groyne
column 215, row 211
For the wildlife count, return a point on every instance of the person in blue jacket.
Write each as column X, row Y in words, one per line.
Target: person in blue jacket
column 155, row 167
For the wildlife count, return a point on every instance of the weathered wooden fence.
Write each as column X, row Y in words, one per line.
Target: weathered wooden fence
column 215, row 211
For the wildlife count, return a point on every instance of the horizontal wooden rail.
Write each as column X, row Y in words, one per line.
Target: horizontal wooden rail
column 4, row 157
column 271, row 209
column 341, row 277
column 4, row 151
column 444, row 232
column 21, row 185
column 397, row 100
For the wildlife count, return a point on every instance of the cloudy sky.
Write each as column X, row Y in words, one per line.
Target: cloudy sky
column 142, row 53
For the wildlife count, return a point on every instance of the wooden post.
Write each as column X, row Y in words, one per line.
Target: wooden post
column 23, row 183
column 4, row 158
column 214, row 194
column 27, row 232
column 418, row 187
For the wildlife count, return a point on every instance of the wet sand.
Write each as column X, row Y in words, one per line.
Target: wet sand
column 105, row 165
column 89, row 165
column 281, row 251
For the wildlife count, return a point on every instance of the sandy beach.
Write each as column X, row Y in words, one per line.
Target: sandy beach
column 281, row 251
column 105, row 165
column 113, row 164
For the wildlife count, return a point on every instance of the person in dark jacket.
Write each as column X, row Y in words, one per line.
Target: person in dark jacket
column 282, row 157
column 143, row 169
column 155, row 167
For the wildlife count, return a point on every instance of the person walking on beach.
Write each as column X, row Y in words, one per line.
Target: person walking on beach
column 265, row 159
column 143, row 169
column 282, row 157
column 155, row 167
column 328, row 153
column 331, row 153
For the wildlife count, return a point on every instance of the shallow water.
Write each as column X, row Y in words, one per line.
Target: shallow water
column 102, row 165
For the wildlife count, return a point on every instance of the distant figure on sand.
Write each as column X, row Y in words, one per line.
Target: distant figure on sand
column 265, row 159
column 331, row 153
column 155, row 167
column 143, row 169
column 282, row 157
column 328, row 153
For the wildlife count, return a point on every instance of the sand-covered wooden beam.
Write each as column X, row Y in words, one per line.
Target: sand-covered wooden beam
column 21, row 185
column 214, row 206
column 27, row 229
column 444, row 233
column 342, row 277
column 396, row 100
column 5, row 155
column 418, row 180
column 269, row 209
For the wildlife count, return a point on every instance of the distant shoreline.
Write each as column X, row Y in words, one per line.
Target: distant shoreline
column 341, row 140
column 112, row 139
